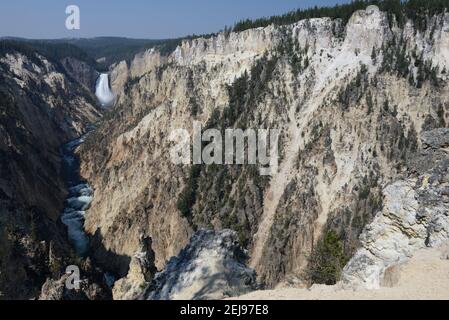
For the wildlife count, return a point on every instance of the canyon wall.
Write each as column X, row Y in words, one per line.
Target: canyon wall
column 42, row 106
column 350, row 101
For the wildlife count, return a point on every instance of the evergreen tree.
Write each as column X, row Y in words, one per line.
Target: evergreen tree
column 374, row 56
column 397, row 10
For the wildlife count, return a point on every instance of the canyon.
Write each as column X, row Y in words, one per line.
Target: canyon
column 361, row 188
column 350, row 118
column 43, row 105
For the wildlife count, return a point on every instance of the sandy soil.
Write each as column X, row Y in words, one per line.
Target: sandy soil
column 424, row 277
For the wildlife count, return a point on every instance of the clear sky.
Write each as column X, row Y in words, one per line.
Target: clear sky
column 148, row 19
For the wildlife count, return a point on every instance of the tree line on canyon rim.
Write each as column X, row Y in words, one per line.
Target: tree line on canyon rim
column 416, row 10
column 116, row 49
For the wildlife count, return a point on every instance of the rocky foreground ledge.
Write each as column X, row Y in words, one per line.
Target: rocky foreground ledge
column 212, row 266
column 405, row 250
column 424, row 277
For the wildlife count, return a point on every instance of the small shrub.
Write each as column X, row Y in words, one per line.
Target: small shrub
column 327, row 260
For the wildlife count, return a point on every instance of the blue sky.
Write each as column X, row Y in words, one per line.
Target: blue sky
column 137, row 18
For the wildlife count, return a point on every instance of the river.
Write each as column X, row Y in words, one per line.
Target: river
column 79, row 199
column 80, row 192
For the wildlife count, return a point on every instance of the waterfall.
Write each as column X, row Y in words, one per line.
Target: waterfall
column 103, row 92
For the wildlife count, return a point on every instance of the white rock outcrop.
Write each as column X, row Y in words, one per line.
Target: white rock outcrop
column 212, row 266
column 415, row 216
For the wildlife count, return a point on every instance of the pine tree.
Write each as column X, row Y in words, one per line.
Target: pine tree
column 374, row 56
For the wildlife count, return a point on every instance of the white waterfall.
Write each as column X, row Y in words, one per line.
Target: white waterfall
column 103, row 92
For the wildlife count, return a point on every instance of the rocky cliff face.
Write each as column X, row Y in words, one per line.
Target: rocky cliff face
column 82, row 72
column 350, row 101
column 414, row 216
column 41, row 107
column 212, row 266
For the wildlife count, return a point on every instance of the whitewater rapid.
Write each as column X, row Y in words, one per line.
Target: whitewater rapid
column 79, row 198
column 103, row 91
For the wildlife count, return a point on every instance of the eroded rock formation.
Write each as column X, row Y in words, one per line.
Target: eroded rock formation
column 41, row 107
column 350, row 100
column 414, row 216
column 212, row 266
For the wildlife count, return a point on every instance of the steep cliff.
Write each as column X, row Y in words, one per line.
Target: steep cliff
column 41, row 107
column 212, row 266
column 350, row 101
column 414, row 216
